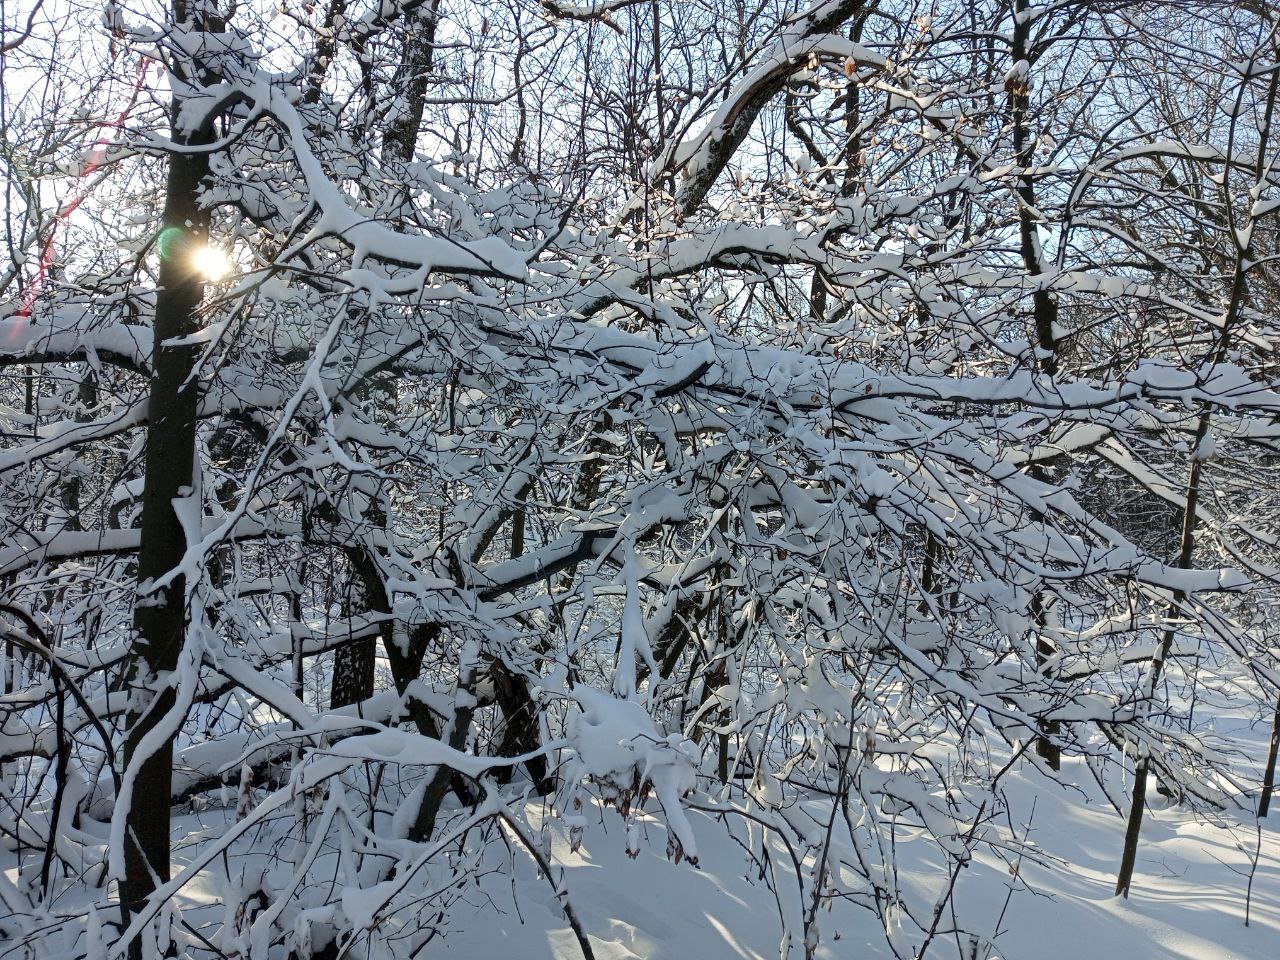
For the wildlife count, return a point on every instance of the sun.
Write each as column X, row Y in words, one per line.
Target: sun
column 210, row 262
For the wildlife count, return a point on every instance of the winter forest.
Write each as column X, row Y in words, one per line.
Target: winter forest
column 639, row 479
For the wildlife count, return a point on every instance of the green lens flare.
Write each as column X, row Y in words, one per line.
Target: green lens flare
column 169, row 242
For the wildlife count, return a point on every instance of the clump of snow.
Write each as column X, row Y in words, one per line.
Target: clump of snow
column 616, row 745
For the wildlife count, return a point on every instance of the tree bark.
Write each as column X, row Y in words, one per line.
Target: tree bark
column 353, row 663
column 160, row 614
column 1269, row 778
column 1044, row 317
column 1133, row 827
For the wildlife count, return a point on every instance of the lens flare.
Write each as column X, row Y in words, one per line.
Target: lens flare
column 210, row 262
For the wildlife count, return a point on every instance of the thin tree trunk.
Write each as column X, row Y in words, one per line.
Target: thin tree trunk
column 1044, row 317
column 1269, row 778
column 1133, row 828
column 71, row 490
column 1235, row 303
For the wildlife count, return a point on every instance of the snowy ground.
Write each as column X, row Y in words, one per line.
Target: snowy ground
column 1188, row 900
column 1188, row 903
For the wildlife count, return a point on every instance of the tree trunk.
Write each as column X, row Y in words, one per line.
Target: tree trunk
column 1044, row 318
column 1191, row 505
column 160, row 615
column 1186, row 548
column 353, row 662
column 71, row 490
column 1269, row 778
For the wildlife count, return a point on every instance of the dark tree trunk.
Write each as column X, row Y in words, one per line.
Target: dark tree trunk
column 353, row 662
column 1133, row 828
column 71, row 490
column 406, row 666
column 160, row 615
column 519, row 725
column 352, row 673
column 1235, row 303
column 1044, row 318
column 1269, row 778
